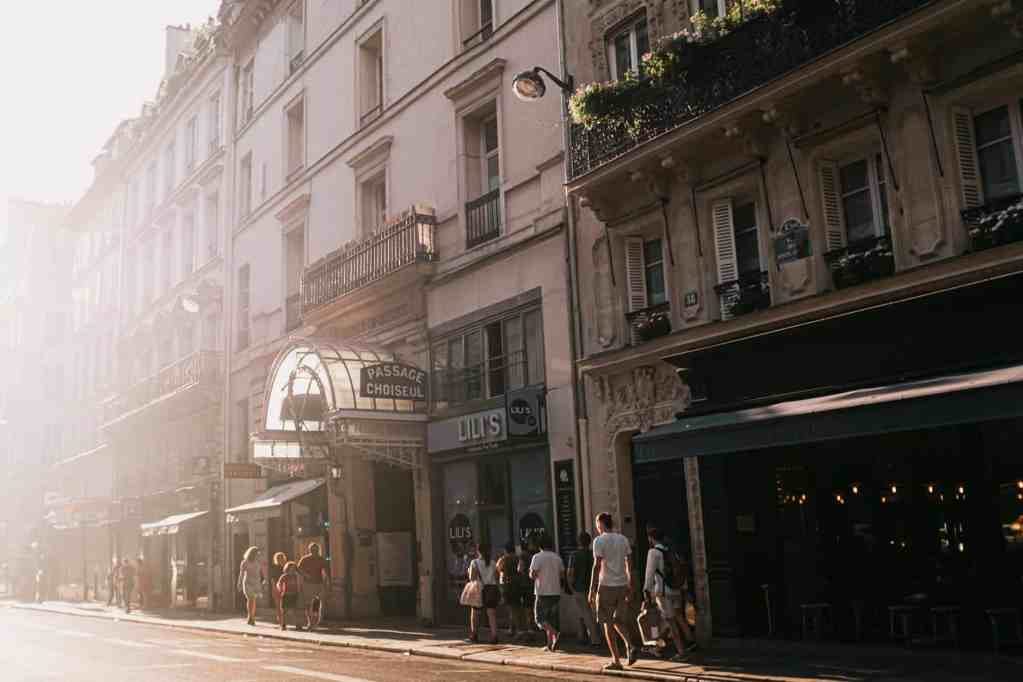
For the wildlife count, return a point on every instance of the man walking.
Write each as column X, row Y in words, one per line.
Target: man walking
column 579, row 573
column 127, row 583
column 611, row 587
column 113, row 582
column 546, row 570
column 662, row 587
column 315, row 577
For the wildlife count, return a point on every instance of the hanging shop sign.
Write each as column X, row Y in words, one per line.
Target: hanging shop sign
column 564, row 505
column 526, row 412
column 467, row 431
column 392, row 380
column 791, row 241
column 459, row 534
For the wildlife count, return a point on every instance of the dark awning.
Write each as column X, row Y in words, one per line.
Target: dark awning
column 942, row 401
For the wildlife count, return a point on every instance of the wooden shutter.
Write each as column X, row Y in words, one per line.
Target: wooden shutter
column 635, row 273
column 834, row 219
column 724, row 245
column 966, row 153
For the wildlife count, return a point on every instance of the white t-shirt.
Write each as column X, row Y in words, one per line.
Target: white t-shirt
column 654, row 583
column 613, row 548
column 487, row 573
column 547, row 566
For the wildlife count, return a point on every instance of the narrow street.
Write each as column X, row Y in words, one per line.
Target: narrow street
column 47, row 646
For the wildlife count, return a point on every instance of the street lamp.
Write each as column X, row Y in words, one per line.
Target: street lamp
column 529, row 85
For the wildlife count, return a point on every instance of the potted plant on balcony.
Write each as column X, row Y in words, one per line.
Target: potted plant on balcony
column 751, row 298
column 653, row 325
column 998, row 227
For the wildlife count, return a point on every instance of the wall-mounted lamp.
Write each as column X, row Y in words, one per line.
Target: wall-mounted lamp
column 529, row 85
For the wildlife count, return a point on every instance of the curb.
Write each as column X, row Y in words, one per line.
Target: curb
column 405, row 651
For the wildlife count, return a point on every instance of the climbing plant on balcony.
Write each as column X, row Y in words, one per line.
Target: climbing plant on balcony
column 663, row 68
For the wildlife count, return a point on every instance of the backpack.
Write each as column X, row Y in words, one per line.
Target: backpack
column 674, row 574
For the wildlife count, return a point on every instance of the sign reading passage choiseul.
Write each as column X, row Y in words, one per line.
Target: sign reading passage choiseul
column 392, row 380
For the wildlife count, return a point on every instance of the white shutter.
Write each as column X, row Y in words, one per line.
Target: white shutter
column 724, row 245
column 966, row 153
column 635, row 273
column 834, row 219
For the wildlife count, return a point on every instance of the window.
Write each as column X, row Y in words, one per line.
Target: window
column 477, row 21
column 168, row 261
column 488, row 361
column 247, row 95
column 996, row 152
column 243, row 308
column 747, row 245
column 626, row 47
column 212, row 226
column 245, row 186
column 711, row 8
column 191, row 139
column 374, row 203
column 187, row 245
column 295, row 116
column 864, row 199
column 491, row 155
column 371, row 76
column 296, row 35
column 644, row 265
column 214, row 123
column 168, row 171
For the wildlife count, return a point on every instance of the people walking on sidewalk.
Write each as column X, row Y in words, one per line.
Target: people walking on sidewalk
column 250, row 581
column 580, row 570
column 484, row 569
column 127, row 583
column 145, row 581
column 546, row 570
column 662, row 587
column 290, row 587
column 276, row 571
column 113, row 580
column 315, row 580
column 611, row 587
column 527, row 589
column 511, row 597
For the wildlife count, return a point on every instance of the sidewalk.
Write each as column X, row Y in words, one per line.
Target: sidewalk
column 726, row 661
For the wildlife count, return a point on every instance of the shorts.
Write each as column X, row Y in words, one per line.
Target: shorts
column 289, row 601
column 611, row 606
column 491, row 596
column 548, row 611
column 510, row 595
column 670, row 605
column 311, row 591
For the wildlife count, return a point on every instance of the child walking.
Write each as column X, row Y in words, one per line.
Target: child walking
column 289, row 585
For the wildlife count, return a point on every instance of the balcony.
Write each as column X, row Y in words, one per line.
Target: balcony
column 483, row 219
column 861, row 261
column 1000, row 221
column 749, row 293
column 201, row 368
column 649, row 323
column 761, row 50
column 293, row 312
column 403, row 242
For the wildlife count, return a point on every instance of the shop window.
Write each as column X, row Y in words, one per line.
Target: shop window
column 626, row 47
column 489, row 361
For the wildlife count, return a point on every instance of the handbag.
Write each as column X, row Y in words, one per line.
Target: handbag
column 472, row 594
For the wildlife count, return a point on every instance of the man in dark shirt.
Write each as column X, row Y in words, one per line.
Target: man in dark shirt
column 579, row 571
column 315, row 577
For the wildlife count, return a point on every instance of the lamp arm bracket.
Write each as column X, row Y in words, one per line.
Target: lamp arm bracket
column 568, row 85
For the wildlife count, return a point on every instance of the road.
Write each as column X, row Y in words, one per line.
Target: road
column 49, row 646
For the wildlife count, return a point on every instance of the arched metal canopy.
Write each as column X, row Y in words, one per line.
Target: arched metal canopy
column 313, row 403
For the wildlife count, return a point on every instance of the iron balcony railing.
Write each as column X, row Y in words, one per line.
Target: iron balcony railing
column 483, row 219
column 200, row 367
column 999, row 221
column 293, row 312
column 759, row 51
column 744, row 295
column 650, row 322
column 404, row 241
column 861, row 261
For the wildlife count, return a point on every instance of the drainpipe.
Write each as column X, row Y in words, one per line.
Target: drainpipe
column 575, row 335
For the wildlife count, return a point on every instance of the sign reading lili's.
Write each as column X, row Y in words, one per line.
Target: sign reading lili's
column 392, row 380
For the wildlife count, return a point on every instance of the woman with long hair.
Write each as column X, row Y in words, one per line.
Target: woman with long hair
column 484, row 569
column 280, row 560
column 250, row 581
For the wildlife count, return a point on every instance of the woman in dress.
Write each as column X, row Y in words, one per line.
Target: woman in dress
column 250, row 580
column 484, row 569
